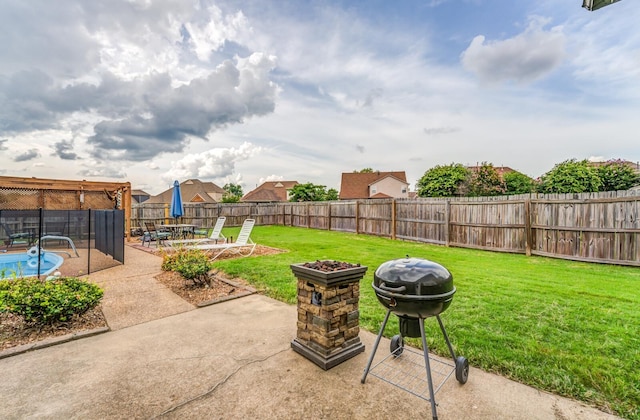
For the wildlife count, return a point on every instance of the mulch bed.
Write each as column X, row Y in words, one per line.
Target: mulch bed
column 219, row 288
column 14, row 331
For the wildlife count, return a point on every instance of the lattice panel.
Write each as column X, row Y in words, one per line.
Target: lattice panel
column 23, row 199
column 61, row 200
column 97, row 200
column 19, row 199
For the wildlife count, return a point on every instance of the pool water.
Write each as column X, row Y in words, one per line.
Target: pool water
column 25, row 265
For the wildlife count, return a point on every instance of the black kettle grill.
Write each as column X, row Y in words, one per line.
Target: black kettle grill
column 415, row 289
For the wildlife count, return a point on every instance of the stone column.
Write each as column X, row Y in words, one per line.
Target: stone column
column 328, row 314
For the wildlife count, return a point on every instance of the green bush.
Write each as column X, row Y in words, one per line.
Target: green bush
column 50, row 301
column 192, row 264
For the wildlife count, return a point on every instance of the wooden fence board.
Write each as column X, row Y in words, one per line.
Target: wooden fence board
column 588, row 227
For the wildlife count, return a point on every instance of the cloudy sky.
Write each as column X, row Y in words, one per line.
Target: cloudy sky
column 148, row 91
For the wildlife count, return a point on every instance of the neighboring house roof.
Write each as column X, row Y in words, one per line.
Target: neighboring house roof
column 136, row 194
column 192, row 191
column 356, row 184
column 269, row 192
column 380, row 195
column 632, row 165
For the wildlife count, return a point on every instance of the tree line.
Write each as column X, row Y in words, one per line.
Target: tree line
column 570, row 176
column 457, row 180
column 301, row 192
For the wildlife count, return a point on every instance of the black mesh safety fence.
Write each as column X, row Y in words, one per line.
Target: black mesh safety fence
column 69, row 242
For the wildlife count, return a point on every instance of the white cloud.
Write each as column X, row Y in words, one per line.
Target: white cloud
column 207, row 36
column 103, row 171
column 218, row 163
column 524, row 58
column 271, row 178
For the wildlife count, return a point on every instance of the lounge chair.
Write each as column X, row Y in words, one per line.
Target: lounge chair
column 153, row 234
column 60, row 239
column 19, row 237
column 216, row 235
column 240, row 246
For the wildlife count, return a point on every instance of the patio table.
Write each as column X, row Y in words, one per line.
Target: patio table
column 180, row 230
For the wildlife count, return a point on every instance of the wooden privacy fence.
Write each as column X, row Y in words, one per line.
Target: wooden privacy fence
column 603, row 228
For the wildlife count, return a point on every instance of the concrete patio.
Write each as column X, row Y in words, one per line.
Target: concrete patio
column 164, row 358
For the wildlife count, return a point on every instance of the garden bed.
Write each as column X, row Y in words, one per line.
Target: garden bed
column 14, row 331
column 219, row 288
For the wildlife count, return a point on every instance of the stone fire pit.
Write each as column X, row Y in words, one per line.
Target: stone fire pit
column 328, row 314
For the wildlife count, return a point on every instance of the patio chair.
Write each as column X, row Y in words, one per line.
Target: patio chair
column 153, row 234
column 14, row 238
column 200, row 231
column 215, row 236
column 57, row 230
column 243, row 245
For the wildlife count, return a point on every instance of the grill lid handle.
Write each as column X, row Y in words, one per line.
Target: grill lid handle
column 398, row 289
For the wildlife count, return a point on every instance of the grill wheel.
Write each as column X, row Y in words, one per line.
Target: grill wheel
column 462, row 369
column 397, row 345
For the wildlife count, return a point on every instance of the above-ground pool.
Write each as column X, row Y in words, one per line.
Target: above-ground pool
column 25, row 264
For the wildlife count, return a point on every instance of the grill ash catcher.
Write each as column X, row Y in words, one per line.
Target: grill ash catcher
column 414, row 289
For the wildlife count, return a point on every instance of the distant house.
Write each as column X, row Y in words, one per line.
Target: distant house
column 355, row 185
column 270, row 192
column 193, row 191
column 139, row 196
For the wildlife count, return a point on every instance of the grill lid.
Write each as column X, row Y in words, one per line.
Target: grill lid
column 413, row 276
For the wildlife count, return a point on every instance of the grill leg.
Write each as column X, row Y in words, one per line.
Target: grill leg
column 427, row 365
column 375, row 346
column 446, row 338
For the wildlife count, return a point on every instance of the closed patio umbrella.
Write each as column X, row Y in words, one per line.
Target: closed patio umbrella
column 177, row 209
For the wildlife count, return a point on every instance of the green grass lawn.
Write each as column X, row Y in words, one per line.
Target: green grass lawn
column 566, row 327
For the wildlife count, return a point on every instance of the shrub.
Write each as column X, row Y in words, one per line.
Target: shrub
column 571, row 176
column 50, row 301
column 443, row 181
column 617, row 175
column 192, row 264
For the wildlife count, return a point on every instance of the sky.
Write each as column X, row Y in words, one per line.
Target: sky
column 151, row 91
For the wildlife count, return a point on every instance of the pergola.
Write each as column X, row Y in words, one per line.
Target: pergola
column 117, row 193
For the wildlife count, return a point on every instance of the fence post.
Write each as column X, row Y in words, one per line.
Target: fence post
column 357, row 217
column 527, row 227
column 447, row 212
column 308, row 216
column 393, row 219
column 329, row 204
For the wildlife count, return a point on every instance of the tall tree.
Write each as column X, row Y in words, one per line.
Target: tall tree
column 571, row 176
column 233, row 193
column 332, row 195
column 517, row 183
column 308, row 192
column 443, row 181
column 364, row 171
column 616, row 175
column 485, row 180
